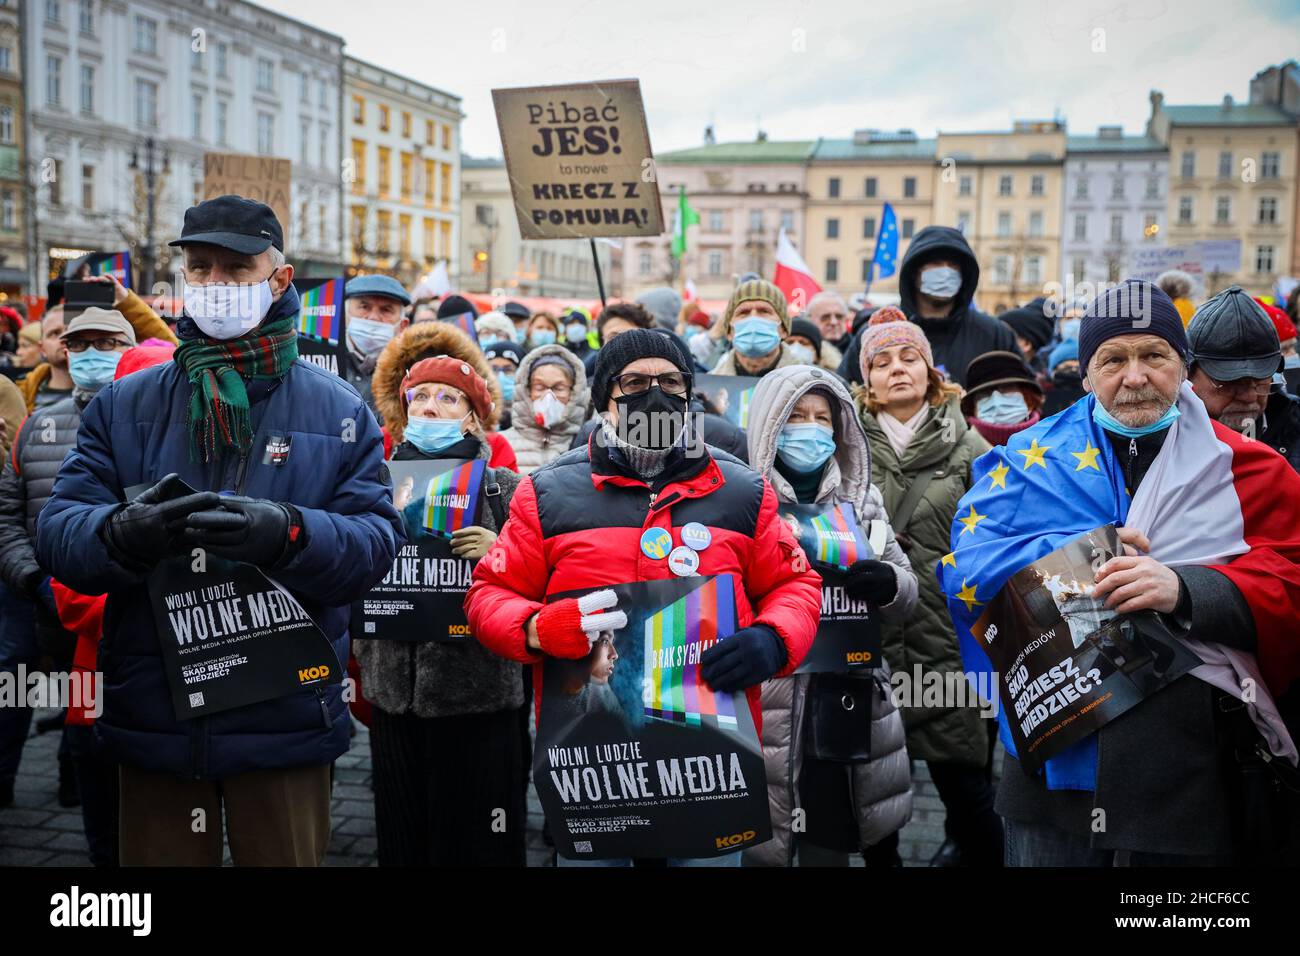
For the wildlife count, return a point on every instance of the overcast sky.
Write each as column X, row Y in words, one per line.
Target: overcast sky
column 800, row 69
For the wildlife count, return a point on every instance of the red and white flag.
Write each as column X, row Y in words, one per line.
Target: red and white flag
column 793, row 277
column 690, row 294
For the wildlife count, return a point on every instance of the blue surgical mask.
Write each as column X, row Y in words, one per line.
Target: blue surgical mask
column 543, row 337
column 1070, row 329
column 805, row 448
column 691, row 332
column 521, row 334
column 92, row 370
column 755, row 337
column 575, row 332
column 1112, row 424
column 1002, row 408
column 370, row 337
column 803, row 353
column 487, row 338
column 1291, row 361
column 433, row 435
column 941, row 282
column 507, row 383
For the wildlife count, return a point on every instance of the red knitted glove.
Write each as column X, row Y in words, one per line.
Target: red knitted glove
column 559, row 630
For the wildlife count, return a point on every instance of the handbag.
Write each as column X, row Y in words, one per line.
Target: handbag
column 838, row 723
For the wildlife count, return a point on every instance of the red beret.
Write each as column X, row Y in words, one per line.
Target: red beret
column 445, row 370
column 142, row 357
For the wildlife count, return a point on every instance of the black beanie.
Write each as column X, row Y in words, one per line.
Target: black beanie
column 455, row 305
column 1030, row 322
column 1133, row 307
column 624, row 349
column 809, row 331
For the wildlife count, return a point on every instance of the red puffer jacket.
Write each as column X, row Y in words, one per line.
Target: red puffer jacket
column 577, row 524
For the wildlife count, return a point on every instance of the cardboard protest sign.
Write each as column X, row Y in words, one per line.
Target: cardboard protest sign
column 115, row 264
column 1148, row 262
column 727, row 395
column 1067, row 664
column 848, row 635
column 422, row 598
column 637, row 756
column 322, row 324
column 264, row 178
column 579, row 160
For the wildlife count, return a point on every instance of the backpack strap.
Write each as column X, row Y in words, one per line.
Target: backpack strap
column 907, row 507
column 492, row 490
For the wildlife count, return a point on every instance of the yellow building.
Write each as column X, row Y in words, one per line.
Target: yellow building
column 848, row 183
column 1232, row 176
column 1004, row 191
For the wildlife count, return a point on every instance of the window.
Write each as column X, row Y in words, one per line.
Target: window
column 1187, row 168
column 1268, row 209
column 265, row 134
column 1081, row 189
column 53, row 81
column 1076, row 269
column 1263, row 258
column 869, row 227
column 407, row 161
column 833, row 187
column 56, row 184
column 908, row 226
column 832, row 228
column 304, row 139
column 86, row 16
column 1035, row 223
column 383, row 231
column 359, row 225
column 320, row 218
column 715, row 220
column 1222, row 210
column 1034, row 270
column 1116, row 228
column 223, row 114
column 6, row 124
column 715, row 263
column 196, row 116
column 1269, row 164
column 832, row 270
column 265, row 75
column 964, row 186
column 324, row 145
column 755, row 220
column 787, row 220
column 963, row 223
column 223, row 59
column 866, row 270
column 53, row 11
column 6, row 60
column 385, row 155
column 1080, row 227
column 1117, row 187
column 869, row 187
column 1225, row 165
column 196, row 61
column 358, row 164
column 1153, row 187
column 1004, row 185
column 146, row 35
column 1004, row 225
column 322, row 96
column 643, row 263
column 909, row 187
column 429, row 239
column 87, row 187
column 446, row 137
column 1185, row 210
column 1036, row 185
column 8, row 210
column 406, row 125
column 1002, row 270
column 404, row 236
column 87, row 88
column 358, row 109
column 383, row 118
column 146, row 104
column 428, row 132
column 445, row 183
column 428, row 181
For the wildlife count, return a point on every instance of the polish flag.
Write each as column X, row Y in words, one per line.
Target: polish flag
column 793, row 277
column 690, row 294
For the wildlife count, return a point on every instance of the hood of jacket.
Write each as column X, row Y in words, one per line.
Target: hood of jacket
column 933, row 442
column 848, row 473
column 575, row 412
column 420, row 341
column 931, row 243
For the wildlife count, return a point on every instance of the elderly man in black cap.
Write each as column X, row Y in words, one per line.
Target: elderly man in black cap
column 1235, row 355
column 247, row 454
column 375, row 313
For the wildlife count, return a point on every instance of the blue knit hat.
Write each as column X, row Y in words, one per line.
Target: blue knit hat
column 1133, row 307
column 1068, row 349
column 376, row 285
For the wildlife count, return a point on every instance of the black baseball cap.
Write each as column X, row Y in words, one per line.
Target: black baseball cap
column 1231, row 338
column 232, row 222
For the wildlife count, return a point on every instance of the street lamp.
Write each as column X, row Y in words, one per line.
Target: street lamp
column 152, row 176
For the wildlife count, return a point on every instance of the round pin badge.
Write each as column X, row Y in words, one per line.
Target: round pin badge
column 696, row 536
column 683, row 562
column 656, row 543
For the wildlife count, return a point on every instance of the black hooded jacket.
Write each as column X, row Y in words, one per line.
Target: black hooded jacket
column 966, row 332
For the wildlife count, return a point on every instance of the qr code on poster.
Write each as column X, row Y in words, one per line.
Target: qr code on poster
column 196, row 699
column 581, row 846
column 370, row 627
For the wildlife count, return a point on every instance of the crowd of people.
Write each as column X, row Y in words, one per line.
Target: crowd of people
column 898, row 412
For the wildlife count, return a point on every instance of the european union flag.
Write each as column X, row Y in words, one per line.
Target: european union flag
column 886, row 255
column 1048, row 484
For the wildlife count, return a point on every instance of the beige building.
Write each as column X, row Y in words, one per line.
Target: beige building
column 1004, row 191
column 402, row 153
column 13, row 167
column 1279, row 86
column 849, row 182
column 1232, row 176
column 744, row 193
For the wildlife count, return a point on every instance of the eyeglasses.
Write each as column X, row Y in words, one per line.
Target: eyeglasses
column 101, row 345
column 443, row 397
column 562, row 392
column 634, row 383
column 1259, row 386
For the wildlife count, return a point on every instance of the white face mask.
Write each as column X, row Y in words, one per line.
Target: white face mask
column 228, row 310
column 548, row 410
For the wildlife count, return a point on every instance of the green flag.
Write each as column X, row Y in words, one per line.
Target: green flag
column 685, row 217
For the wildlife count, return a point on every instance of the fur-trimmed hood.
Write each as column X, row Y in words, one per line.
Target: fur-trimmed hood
column 419, row 341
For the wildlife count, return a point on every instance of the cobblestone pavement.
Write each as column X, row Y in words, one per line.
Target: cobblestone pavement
column 36, row 831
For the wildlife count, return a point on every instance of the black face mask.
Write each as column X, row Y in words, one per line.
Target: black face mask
column 651, row 419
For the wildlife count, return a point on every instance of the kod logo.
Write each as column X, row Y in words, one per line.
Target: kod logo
column 736, row 839
column 457, row 630
column 857, row 657
column 308, row 674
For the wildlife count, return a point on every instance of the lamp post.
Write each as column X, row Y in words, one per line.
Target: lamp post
column 152, row 178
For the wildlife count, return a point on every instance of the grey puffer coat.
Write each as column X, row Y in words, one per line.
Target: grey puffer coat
column 536, row 446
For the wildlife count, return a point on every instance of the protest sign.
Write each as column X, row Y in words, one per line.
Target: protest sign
column 579, row 160
column 263, row 178
column 322, row 324
column 848, row 635
column 115, row 264
column 422, row 598
column 1148, row 262
column 636, row 755
column 1067, row 664
column 1219, row 255
column 727, row 395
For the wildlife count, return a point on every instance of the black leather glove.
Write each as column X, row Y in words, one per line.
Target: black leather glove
column 873, row 581
column 253, row 530
column 748, row 657
column 149, row 528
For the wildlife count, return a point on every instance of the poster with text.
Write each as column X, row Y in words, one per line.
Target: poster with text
column 636, row 755
column 263, row 178
column 422, row 598
column 322, row 324
column 579, row 160
column 727, row 395
column 1067, row 664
